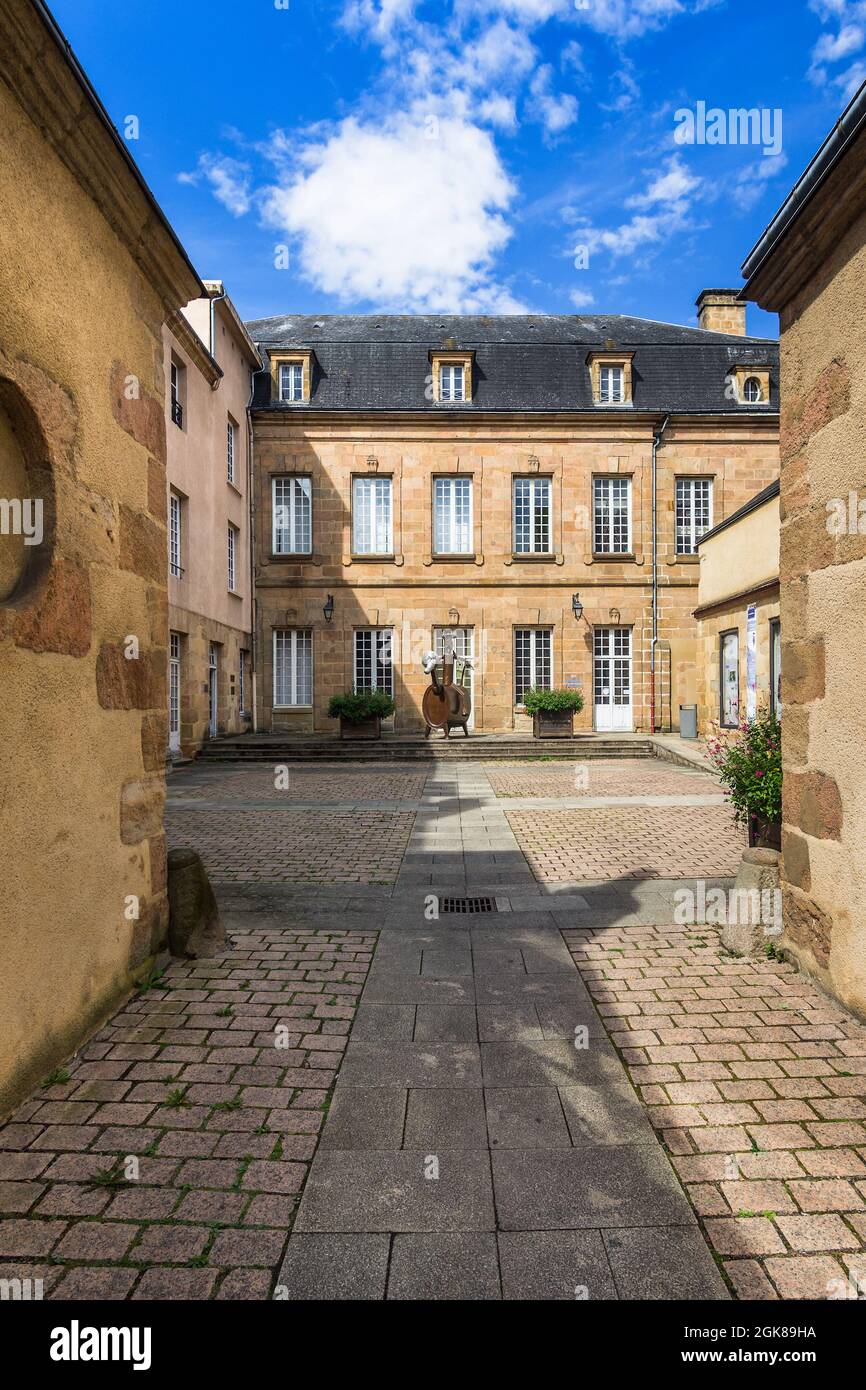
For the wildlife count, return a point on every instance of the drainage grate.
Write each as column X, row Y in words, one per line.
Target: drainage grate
column 468, row 904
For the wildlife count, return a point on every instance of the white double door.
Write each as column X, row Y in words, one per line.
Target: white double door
column 462, row 645
column 611, row 679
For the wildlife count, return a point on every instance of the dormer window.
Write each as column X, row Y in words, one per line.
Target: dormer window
column 752, row 389
column 751, row 383
column 610, row 374
column 611, row 385
column 291, row 376
column 451, row 377
column 451, row 382
column 291, row 381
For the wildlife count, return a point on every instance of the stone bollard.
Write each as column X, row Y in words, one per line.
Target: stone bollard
column 195, row 929
column 754, row 915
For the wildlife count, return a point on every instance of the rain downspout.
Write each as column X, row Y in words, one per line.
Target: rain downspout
column 658, row 440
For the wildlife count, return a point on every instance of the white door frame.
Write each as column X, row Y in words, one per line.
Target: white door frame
column 612, row 679
column 212, row 690
column 464, row 645
column 174, row 693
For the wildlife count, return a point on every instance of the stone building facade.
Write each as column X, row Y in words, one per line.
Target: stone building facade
column 738, row 609
column 209, row 363
column 426, row 475
column 89, row 269
column 810, row 267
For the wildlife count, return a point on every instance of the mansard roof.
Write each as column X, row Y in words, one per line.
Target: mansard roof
column 522, row 362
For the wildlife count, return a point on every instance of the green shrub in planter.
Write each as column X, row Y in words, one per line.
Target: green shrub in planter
column 538, row 701
column 750, row 766
column 366, row 704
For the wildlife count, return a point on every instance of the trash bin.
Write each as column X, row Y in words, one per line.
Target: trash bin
column 688, row 721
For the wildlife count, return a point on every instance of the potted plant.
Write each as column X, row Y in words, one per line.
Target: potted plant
column 552, row 711
column 750, row 766
column 361, row 714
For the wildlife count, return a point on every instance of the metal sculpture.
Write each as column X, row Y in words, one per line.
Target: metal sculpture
column 446, row 705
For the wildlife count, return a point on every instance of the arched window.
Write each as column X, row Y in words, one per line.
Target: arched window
column 752, row 389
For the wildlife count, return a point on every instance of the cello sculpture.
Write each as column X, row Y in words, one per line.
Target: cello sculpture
column 445, row 706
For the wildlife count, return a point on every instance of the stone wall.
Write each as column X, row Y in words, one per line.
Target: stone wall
column 495, row 591
column 823, row 573
column 83, row 614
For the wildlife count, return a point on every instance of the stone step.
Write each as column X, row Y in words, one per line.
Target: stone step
column 271, row 748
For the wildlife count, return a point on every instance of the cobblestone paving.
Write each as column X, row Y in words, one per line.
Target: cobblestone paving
column 757, row 1085
column 591, row 778
column 300, row 846
column 188, row 1082
column 629, row 842
column 304, row 783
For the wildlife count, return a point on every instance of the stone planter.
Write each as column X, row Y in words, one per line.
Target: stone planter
column 553, row 723
column 764, row 834
column 754, row 906
column 361, row 728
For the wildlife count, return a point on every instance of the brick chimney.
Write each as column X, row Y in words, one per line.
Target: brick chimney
column 721, row 311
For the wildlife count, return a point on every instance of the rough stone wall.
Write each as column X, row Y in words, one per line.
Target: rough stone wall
column 823, row 574
column 82, row 726
column 711, row 626
column 495, row 591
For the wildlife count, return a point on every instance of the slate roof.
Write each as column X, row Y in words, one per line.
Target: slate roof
column 523, row 362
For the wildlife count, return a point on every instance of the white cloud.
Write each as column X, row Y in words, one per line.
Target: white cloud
column 229, row 179
column 831, row 47
column 582, row 299
column 674, row 184
column 382, row 214
column 555, row 111
column 752, row 181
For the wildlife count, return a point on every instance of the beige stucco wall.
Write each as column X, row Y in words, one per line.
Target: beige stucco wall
column 742, row 557
column 82, row 728
column 824, row 623
column 201, row 607
column 738, row 567
column 494, row 592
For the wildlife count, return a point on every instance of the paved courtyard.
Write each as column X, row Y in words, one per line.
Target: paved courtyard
column 374, row 1094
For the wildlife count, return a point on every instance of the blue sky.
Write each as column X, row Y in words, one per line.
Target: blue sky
column 460, row 156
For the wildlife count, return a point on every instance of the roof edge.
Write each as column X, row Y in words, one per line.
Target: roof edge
column 753, row 505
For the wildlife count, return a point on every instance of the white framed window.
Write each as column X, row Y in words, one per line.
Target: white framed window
column 232, row 557
column 291, row 381
column 611, row 509
column 694, row 512
column 532, row 660
column 452, row 381
column 752, row 390
column 611, row 385
column 532, row 530
column 177, row 391
column 293, row 667
column 292, row 512
column 374, row 667
column 175, row 534
column 242, row 694
column 372, row 532
column 231, row 435
column 452, row 516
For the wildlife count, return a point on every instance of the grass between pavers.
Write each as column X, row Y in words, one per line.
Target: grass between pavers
column 796, row 1266
column 110, row 1173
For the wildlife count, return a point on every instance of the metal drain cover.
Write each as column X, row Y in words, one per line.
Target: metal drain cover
column 468, row 904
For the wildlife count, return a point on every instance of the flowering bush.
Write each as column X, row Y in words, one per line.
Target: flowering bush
column 750, row 766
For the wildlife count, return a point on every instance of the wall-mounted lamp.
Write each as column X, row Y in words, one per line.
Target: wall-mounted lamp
column 576, row 606
column 328, row 608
